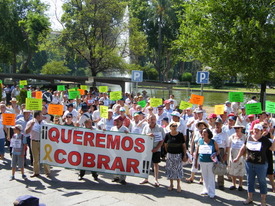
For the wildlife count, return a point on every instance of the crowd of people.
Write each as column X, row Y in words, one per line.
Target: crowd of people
column 243, row 142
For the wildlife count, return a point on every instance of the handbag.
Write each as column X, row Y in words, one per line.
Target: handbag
column 219, row 168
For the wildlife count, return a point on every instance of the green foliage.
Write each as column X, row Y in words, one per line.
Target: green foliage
column 187, row 77
column 55, row 67
column 216, row 79
column 1, row 89
column 22, row 96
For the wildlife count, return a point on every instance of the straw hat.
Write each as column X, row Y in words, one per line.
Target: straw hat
column 13, row 100
column 238, row 124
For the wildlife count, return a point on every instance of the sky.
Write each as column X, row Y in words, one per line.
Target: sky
column 54, row 12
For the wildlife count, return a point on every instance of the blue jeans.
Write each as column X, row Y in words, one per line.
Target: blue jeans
column 256, row 169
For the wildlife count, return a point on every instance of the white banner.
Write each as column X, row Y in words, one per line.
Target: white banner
column 102, row 151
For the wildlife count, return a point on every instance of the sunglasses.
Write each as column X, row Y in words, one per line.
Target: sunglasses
column 68, row 117
column 174, row 125
column 237, row 127
column 264, row 127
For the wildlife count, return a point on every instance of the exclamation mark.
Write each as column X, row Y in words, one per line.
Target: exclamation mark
column 147, row 167
column 46, row 132
column 143, row 166
column 43, row 132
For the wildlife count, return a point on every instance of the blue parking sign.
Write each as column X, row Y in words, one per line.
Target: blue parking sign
column 137, row 76
column 202, row 78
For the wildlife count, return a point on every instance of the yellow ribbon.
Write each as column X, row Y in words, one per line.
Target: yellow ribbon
column 48, row 149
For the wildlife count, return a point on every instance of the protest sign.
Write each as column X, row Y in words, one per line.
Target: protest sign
column 23, row 82
column 1, row 82
column 185, row 105
column 196, row 99
column 235, row 96
column 255, row 108
column 219, row 109
column 38, row 94
column 55, row 109
column 71, row 90
column 21, row 86
column 95, row 150
column 29, row 94
column 84, row 87
column 33, row 104
column 270, row 107
column 155, row 102
column 103, row 89
column 115, row 95
column 81, row 91
column 103, row 111
column 8, row 119
column 61, row 88
column 142, row 103
column 73, row 94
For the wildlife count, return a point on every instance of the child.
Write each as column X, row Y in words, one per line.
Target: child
column 18, row 144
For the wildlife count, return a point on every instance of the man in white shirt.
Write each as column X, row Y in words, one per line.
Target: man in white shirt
column 70, row 110
column 106, row 124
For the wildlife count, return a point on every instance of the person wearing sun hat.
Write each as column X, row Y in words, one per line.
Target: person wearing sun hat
column 236, row 169
column 14, row 107
column 256, row 164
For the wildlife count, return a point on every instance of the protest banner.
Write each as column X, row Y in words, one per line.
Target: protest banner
column 115, row 95
column 142, row 103
column 23, row 82
column 81, row 91
column 38, row 94
column 219, row 109
column 196, row 99
column 155, row 102
column 185, row 105
column 235, row 96
column 255, row 108
column 103, row 89
column 55, row 109
column 61, row 88
column 100, row 151
column 8, row 119
column 33, row 104
column 73, row 94
column 103, row 111
column 270, row 107
column 84, row 87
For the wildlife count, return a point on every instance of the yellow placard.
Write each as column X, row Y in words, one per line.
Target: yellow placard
column 115, row 95
column 33, row 104
column 23, row 82
column 185, row 105
column 55, row 109
column 103, row 89
column 155, row 102
column 196, row 99
column 84, row 87
column 219, row 109
column 8, row 119
column 103, row 111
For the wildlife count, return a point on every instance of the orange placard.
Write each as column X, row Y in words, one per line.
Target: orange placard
column 81, row 91
column 55, row 109
column 8, row 119
column 196, row 99
column 38, row 94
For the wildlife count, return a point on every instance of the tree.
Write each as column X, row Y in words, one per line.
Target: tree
column 91, row 30
column 231, row 36
column 55, row 67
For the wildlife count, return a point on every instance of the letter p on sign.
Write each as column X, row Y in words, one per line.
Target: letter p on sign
column 202, row 78
column 137, row 76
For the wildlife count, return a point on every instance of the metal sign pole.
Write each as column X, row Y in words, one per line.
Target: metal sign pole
column 201, row 89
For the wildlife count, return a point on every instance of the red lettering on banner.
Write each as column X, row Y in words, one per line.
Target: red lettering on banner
column 99, row 140
column 139, row 142
column 78, row 158
column 77, row 137
column 89, row 160
column 103, row 160
column 53, row 134
column 113, row 143
column 66, row 138
column 88, row 138
column 130, row 143
column 56, row 156
column 132, row 164
column 118, row 164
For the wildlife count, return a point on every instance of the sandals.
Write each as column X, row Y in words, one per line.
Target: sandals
column 248, row 202
column 156, row 184
column 189, row 180
column 170, row 188
column 144, row 182
column 179, row 189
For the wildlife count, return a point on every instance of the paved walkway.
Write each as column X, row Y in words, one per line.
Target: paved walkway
column 63, row 189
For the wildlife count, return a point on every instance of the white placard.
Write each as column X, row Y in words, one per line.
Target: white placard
column 205, row 149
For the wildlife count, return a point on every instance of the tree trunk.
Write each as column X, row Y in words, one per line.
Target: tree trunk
column 25, row 64
column 263, row 94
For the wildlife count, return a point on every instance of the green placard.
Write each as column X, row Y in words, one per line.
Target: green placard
column 103, row 89
column 85, row 87
column 142, row 103
column 115, row 96
column 29, row 94
column 61, row 88
column 235, row 96
column 21, row 86
column 155, row 102
column 23, row 82
column 270, row 107
column 33, row 104
column 1, row 82
column 73, row 94
column 185, row 105
column 255, row 108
